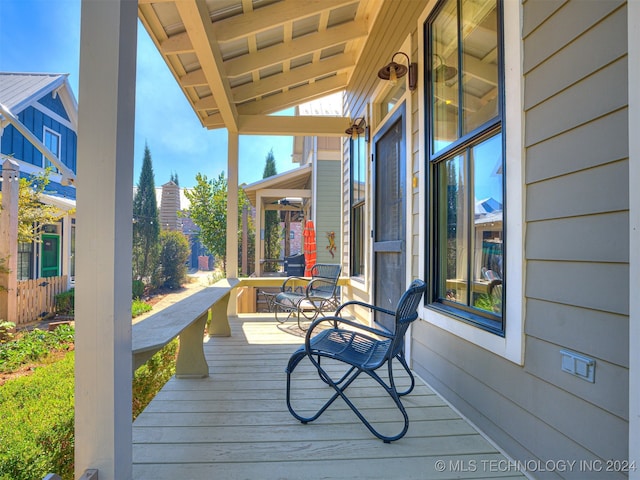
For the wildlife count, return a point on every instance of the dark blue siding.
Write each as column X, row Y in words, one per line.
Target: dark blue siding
column 55, row 105
column 13, row 143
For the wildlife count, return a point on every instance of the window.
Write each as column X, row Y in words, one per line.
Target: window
column 25, row 260
column 358, row 194
column 52, row 142
column 466, row 156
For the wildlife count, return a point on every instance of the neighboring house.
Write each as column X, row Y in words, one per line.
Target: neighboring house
column 509, row 152
column 312, row 190
column 38, row 130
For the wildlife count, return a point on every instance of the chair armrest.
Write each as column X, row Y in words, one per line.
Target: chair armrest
column 366, row 305
column 339, row 320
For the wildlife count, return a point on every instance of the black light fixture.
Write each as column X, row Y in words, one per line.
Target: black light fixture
column 359, row 126
column 443, row 72
column 393, row 71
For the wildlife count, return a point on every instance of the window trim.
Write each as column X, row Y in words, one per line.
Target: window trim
column 360, row 203
column 511, row 345
column 57, row 154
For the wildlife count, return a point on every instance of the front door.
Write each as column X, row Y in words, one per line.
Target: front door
column 389, row 243
column 50, row 256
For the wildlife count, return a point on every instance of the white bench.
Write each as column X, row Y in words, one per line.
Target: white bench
column 186, row 319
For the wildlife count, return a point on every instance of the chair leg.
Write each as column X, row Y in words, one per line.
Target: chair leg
column 340, row 388
column 403, row 362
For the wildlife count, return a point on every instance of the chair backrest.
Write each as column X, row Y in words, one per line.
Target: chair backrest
column 406, row 312
column 325, row 278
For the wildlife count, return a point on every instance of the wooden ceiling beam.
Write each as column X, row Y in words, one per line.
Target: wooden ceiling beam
column 175, row 44
column 271, row 16
column 295, row 96
column 196, row 78
column 293, row 77
column 295, row 126
column 284, row 52
column 197, row 22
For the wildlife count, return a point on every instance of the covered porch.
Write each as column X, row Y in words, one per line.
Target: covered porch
column 235, row 423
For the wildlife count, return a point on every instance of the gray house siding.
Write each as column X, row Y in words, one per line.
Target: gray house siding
column 576, row 253
column 328, row 211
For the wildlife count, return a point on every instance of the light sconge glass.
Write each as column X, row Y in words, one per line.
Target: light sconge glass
column 393, row 71
column 358, row 127
column 443, row 72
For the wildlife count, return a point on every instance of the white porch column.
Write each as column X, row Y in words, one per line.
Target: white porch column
column 8, row 241
column 104, row 229
column 259, row 233
column 633, row 45
column 232, row 206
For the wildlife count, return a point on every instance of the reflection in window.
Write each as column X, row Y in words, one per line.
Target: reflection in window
column 467, row 161
column 358, row 195
column 52, row 142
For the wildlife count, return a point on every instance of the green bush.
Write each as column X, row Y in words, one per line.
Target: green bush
column 137, row 289
column 151, row 377
column 36, row 432
column 138, row 307
column 37, row 412
column 174, row 253
column 34, row 346
column 6, row 331
column 65, row 302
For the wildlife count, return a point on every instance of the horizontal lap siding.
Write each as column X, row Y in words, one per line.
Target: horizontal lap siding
column 576, row 252
column 328, row 217
column 577, row 218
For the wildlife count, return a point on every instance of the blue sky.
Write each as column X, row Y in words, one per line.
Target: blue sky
column 44, row 36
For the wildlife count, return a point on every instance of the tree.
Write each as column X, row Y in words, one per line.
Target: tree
column 174, row 252
column 208, row 211
column 33, row 215
column 271, row 219
column 174, row 178
column 146, row 226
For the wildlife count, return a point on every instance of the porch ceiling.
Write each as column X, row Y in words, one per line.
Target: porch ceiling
column 239, row 60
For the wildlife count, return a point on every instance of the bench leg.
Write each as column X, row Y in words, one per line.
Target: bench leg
column 219, row 326
column 191, row 362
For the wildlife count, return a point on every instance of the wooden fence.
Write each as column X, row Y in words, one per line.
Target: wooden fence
column 36, row 298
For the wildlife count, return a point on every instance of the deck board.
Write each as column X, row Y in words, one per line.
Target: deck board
column 235, row 424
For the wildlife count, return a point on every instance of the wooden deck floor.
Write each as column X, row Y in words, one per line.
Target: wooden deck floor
column 235, row 424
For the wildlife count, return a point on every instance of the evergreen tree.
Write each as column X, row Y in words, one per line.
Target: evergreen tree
column 271, row 220
column 174, row 178
column 146, row 226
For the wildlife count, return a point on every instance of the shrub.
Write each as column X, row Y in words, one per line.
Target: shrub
column 151, row 377
column 174, row 254
column 37, row 429
column 6, row 331
column 37, row 411
column 137, row 289
column 65, row 302
column 34, row 346
column 138, row 307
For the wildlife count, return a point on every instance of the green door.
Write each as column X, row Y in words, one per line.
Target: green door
column 50, row 256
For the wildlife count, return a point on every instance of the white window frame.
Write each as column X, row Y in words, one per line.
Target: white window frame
column 511, row 346
column 46, row 130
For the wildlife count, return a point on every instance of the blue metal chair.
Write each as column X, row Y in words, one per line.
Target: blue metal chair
column 361, row 353
column 306, row 299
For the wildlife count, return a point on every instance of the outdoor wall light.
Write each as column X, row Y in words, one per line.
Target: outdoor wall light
column 443, row 72
column 358, row 127
column 393, row 71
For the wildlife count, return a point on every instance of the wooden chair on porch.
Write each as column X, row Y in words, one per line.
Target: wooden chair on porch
column 362, row 349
